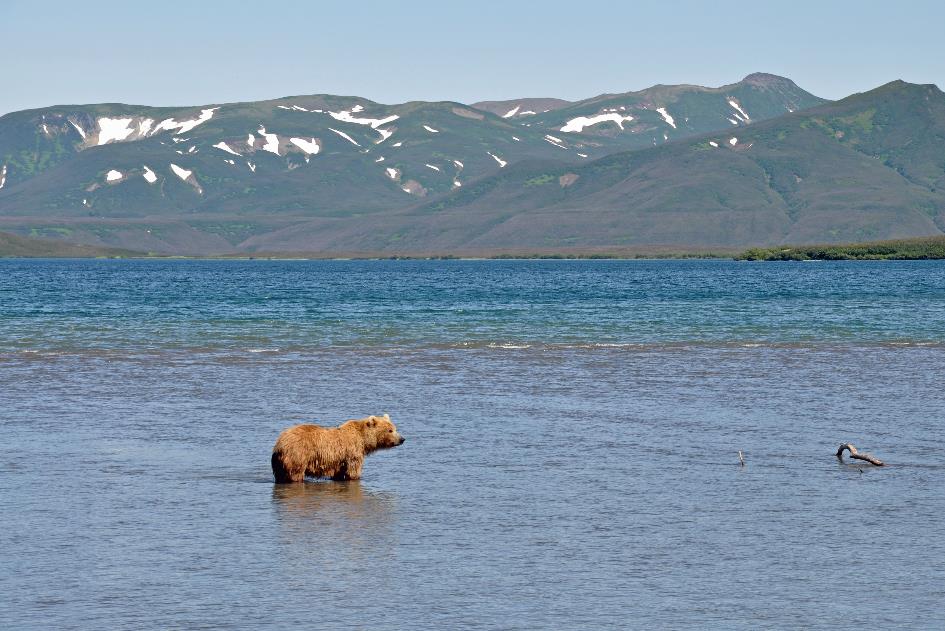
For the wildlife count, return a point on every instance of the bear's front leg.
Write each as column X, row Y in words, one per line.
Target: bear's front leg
column 354, row 469
column 348, row 470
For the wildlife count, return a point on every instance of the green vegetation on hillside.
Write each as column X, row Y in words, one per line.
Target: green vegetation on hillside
column 899, row 249
column 454, row 180
column 236, row 180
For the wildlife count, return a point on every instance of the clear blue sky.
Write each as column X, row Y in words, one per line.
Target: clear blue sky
column 186, row 53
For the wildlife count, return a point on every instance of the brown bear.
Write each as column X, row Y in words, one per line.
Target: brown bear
column 331, row 452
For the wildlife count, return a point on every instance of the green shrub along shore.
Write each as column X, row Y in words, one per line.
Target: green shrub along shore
column 897, row 249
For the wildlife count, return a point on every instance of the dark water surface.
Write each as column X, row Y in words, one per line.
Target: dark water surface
column 571, row 457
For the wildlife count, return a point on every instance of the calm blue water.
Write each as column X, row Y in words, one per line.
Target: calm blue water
column 571, row 462
column 133, row 306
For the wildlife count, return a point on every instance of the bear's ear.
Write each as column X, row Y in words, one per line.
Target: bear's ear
column 386, row 416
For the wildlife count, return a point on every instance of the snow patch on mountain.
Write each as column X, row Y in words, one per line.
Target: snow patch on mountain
column 149, row 175
column 185, row 126
column 666, row 117
column 393, row 174
column 735, row 105
column 345, row 136
column 113, row 176
column 180, row 172
column 512, row 112
column 272, row 141
column 225, row 147
column 77, row 128
column 311, row 147
column 297, row 108
column 501, row 162
column 113, row 129
column 431, row 166
column 431, row 130
column 578, row 124
column 733, row 141
column 555, row 141
column 3, row 176
column 346, row 117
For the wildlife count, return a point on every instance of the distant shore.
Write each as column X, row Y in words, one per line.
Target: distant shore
column 15, row 246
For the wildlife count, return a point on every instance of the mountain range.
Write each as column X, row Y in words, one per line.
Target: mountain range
column 758, row 162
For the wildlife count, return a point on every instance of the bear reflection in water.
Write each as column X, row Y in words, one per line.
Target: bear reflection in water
column 343, row 510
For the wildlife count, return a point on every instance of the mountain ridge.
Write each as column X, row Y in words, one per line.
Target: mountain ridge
column 344, row 173
column 900, row 190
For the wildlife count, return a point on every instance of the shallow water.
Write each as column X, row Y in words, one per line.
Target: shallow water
column 571, row 457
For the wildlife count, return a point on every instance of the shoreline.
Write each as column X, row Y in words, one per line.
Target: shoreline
column 922, row 248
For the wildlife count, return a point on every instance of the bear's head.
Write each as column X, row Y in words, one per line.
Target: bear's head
column 380, row 432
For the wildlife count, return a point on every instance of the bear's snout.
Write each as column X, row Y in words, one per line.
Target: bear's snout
column 401, row 442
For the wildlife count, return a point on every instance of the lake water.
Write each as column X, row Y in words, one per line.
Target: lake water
column 571, row 458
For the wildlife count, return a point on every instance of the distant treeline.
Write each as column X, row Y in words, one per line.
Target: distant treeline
column 897, row 249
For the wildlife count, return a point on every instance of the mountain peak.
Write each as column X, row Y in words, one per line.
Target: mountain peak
column 899, row 84
column 766, row 79
column 896, row 89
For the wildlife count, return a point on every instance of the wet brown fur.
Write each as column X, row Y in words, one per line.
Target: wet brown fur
column 331, row 452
